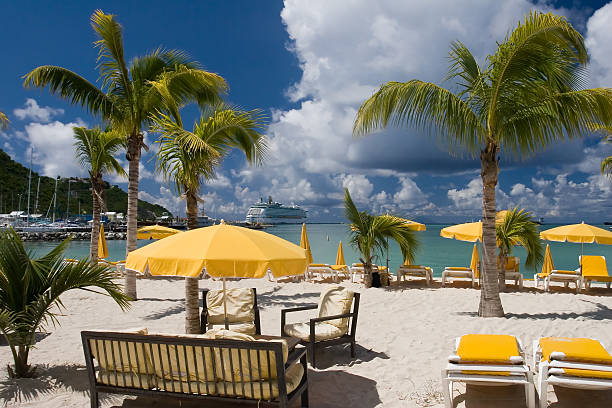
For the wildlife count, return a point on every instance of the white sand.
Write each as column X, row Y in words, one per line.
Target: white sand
column 404, row 335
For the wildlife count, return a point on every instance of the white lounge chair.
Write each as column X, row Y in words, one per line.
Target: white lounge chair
column 572, row 363
column 418, row 271
column 456, row 272
column 512, row 271
column 485, row 359
column 594, row 269
column 567, row 277
column 322, row 270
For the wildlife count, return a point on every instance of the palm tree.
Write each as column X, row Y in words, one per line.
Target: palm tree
column 186, row 159
column 606, row 164
column 370, row 235
column 517, row 228
column 522, row 100
column 30, row 290
column 127, row 98
column 95, row 151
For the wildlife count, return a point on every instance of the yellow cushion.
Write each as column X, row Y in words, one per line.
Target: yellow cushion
column 594, row 267
column 575, row 372
column 574, row 349
column 457, row 268
column 121, row 355
column 564, row 272
column 230, row 368
column 239, row 303
column 488, row 348
column 334, row 301
column 339, row 267
column 318, row 265
column 475, row 372
column 125, row 379
column 413, row 267
column 244, row 328
column 323, row 331
column 261, row 390
column 168, row 358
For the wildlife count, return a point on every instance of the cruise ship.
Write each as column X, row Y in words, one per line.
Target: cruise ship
column 274, row 213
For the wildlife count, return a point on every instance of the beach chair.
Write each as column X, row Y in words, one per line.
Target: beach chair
column 594, row 268
column 241, row 306
column 322, row 270
column 567, row 277
column 571, row 362
column 511, row 270
column 455, row 272
column 335, row 324
column 418, row 271
column 357, row 269
column 487, row 359
column 342, row 270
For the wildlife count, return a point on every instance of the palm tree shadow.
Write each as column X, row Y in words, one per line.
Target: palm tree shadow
column 602, row 312
column 340, row 356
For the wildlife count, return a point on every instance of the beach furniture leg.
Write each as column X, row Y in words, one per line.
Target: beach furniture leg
column 353, row 349
column 447, row 388
column 520, row 282
column 542, row 386
column 94, row 398
column 443, row 279
column 530, row 394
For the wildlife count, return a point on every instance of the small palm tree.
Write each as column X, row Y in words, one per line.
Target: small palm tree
column 525, row 98
column 187, row 159
column 95, row 151
column 517, row 228
column 606, row 164
column 127, row 98
column 30, row 290
column 369, row 234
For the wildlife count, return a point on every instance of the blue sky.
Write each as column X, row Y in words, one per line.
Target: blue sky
column 309, row 65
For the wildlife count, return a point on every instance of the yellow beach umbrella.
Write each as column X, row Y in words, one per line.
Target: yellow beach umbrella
column 340, row 255
column 578, row 233
column 304, row 242
column 475, row 262
column 548, row 264
column 156, row 232
column 102, row 247
column 416, row 226
column 469, row 231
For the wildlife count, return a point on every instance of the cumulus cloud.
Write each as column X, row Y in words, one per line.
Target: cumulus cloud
column 32, row 111
column 599, row 45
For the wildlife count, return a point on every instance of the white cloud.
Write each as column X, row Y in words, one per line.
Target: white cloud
column 409, row 195
column 598, row 42
column 33, row 111
column 358, row 186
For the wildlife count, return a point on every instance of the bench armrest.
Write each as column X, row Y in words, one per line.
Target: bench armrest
column 334, row 317
column 294, row 356
column 289, row 310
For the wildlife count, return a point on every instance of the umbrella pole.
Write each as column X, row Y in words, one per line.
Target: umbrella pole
column 226, row 321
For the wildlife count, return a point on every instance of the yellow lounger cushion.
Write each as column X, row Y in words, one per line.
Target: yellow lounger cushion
column 457, row 268
column 318, row 265
column 339, row 267
column 415, row 267
column 488, row 348
column 474, row 372
column 574, row 349
column 594, row 268
column 575, row 372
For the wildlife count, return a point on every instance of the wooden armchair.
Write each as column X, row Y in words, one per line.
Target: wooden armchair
column 242, row 310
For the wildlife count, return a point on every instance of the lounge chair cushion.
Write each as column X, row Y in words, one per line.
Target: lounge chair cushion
column 111, row 354
column 488, row 348
column 594, row 268
column 253, row 367
column 239, row 303
column 244, row 328
column 575, row 372
column 414, row 267
column 574, row 349
column 334, row 301
column 319, row 265
column 167, row 359
column 458, row 268
column 126, row 379
column 339, row 267
column 261, row 390
column 323, row 331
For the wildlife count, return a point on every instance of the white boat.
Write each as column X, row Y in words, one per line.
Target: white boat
column 275, row 213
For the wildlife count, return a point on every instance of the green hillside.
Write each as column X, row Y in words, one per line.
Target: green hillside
column 14, row 187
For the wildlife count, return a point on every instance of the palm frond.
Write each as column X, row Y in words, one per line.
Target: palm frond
column 518, row 228
column 96, row 150
column 72, row 87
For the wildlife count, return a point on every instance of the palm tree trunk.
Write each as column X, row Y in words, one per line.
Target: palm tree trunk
column 192, row 306
column 502, row 272
column 22, row 369
column 367, row 274
column 490, row 302
column 95, row 225
column 192, row 209
column 133, row 156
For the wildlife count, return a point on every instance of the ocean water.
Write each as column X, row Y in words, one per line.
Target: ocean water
column 434, row 251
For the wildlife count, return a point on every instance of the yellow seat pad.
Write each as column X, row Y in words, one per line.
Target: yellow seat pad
column 564, row 272
column 339, row 267
column 575, row 372
column 415, row 267
column 594, row 268
column 488, row 348
column 474, row 372
column 575, row 349
column 457, row 268
column 318, row 265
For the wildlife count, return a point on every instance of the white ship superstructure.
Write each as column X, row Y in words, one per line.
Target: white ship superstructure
column 274, row 213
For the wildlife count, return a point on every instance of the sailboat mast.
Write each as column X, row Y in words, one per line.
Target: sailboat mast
column 37, row 191
column 29, row 186
column 55, row 198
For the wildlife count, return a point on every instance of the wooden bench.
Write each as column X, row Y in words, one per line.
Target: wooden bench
column 263, row 372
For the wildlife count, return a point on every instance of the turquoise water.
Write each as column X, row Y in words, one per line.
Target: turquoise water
column 434, row 250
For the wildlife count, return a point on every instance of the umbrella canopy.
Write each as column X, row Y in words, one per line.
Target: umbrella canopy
column 304, row 243
column 224, row 250
column 156, row 232
column 578, row 233
column 102, row 247
column 470, row 231
column 548, row 264
column 416, row 226
column 340, row 255
column 475, row 261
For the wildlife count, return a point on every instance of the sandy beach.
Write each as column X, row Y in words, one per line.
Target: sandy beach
column 405, row 332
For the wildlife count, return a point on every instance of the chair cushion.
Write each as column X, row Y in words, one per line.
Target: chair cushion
column 170, row 364
column 576, row 372
column 243, row 365
column 594, row 266
column 574, row 349
column 239, row 302
column 126, row 379
column 261, row 390
column 323, row 331
column 122, row 356
column 488, row 348
column 458, row 268
column 244, row 328
column 334, row 301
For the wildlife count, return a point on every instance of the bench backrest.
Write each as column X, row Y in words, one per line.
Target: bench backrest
column 182, row 363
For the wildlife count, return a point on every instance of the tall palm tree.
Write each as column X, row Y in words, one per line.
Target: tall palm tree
column 186, row 159
column 30, row 290
column 370, row 235
column 127, row 97
column 517, row 228
column 525, row 98
column 95, row 150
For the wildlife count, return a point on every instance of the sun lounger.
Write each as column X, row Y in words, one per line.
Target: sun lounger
column 322, row 270
column 487, row 359
column 357, row 269
column 335, row 324
column 511, row 270
column 567, row 277
column 415, row 271
column 458, row 272
column 572, row 363
column 342, row 269
column 594, row 269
